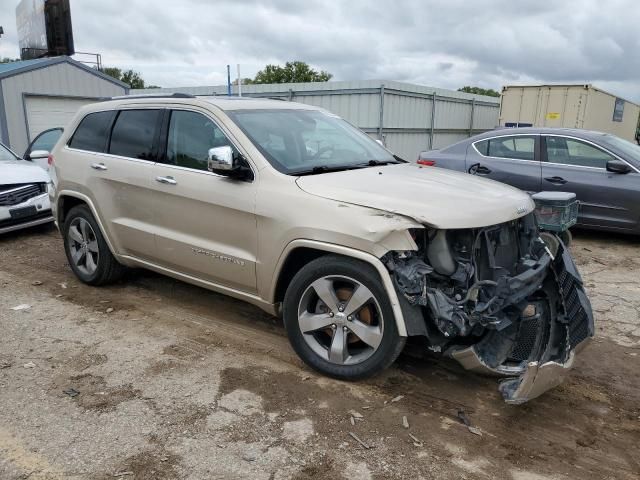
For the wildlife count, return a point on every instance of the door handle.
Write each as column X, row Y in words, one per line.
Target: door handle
column 166, row 180
column 98, row 166
column 556, row 180
column 477, row 169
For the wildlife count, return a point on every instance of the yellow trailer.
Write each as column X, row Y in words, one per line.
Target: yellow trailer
column 569, row 106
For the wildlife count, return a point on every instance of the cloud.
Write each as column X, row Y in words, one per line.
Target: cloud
column 441, row 43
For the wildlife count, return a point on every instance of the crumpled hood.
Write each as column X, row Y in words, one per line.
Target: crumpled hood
column 441, row 198
column 21, row 171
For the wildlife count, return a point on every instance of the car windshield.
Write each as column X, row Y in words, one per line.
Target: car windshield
column 6, row 155
column 309, row 141
column 629, row 151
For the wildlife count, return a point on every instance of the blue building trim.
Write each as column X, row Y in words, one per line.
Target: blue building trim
column 4, row 128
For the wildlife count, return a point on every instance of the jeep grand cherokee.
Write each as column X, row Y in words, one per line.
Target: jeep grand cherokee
column 293, row 209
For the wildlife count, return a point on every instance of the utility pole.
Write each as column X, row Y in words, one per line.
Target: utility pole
column 239, row 82
column 228, row 80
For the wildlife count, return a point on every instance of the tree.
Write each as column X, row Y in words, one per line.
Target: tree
column 480, row 91
column 130, row 77
column 245, row 81
column 9, row 60
column 292, row 72
column 133, row 79
column 113, row 72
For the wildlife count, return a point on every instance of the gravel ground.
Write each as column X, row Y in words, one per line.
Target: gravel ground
column 156, row 379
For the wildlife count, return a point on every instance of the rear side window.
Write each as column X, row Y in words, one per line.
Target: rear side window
column 514, row 147
column 134, row 133
column 93, row 132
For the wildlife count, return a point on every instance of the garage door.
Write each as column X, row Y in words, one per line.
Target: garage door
column 49, row 112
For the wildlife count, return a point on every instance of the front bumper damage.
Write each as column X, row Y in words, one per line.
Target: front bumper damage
column 574, row 327
column 533, row 320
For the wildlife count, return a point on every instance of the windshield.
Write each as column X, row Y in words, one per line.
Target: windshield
column 6, row 155
column 628, row 150
column 304, row 141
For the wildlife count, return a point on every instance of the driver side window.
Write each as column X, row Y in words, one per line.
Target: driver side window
column 568, row 151
column 190, row 137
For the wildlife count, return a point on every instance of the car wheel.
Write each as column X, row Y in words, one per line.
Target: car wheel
column 87, row 251
column 339, row 319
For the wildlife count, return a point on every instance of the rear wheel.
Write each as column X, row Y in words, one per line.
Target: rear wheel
column 339, row 319
column 87, row 250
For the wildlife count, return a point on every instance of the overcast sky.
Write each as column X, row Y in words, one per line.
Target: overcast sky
column 441, row 43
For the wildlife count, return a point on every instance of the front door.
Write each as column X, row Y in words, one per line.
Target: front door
column 510, row 159
column 206, row 222
column 607, row 199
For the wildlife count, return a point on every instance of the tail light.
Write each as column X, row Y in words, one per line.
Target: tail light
column 426, row 163
column 50, row 160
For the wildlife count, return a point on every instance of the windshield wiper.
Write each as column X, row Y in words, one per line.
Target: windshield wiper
column 326, row 169
column 377, row 163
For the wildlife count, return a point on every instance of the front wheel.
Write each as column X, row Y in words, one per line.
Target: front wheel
column 339, row 319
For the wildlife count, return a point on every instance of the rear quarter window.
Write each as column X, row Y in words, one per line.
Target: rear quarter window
column 92, row 132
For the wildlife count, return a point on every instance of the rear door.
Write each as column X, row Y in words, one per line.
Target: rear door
column 607, row 199
column 112, row 154
column 206, row 222
column 511, row 159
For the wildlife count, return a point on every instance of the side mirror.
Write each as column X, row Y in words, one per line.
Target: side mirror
column 220, row 159
column 37, row 155
column 223, row 161
column 618, row 166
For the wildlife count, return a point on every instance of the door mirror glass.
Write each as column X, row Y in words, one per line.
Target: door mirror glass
column 36, row 154
column 220, row 159
column 618, row 166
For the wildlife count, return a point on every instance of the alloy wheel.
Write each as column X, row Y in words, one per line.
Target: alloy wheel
column 341, row 320
column 83, row 246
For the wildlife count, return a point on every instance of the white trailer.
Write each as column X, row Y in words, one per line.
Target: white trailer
column 569, row 106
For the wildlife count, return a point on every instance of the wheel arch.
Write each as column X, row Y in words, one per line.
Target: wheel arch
column 299, row 252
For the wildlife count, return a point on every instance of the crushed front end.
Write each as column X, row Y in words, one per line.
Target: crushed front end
column 497, row 300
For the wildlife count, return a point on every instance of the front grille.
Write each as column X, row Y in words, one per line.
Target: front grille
column 527, row 337
column 577, row 308
column 16, row 194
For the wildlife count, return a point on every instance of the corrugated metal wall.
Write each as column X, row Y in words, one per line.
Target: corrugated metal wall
column 62, row 79
column 401, row 114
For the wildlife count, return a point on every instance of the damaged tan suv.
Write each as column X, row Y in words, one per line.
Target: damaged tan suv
column 293, row 209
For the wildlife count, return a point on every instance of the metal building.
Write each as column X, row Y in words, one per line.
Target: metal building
column 571, row 106
column 43, row 93
column 408, row 118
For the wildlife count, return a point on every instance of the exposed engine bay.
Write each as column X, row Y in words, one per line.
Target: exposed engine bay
column 496, row 299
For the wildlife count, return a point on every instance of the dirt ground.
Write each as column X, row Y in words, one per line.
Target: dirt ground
column 156, row 379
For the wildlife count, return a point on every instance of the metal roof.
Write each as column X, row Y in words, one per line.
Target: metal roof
column 11, row 66
column 16, row 68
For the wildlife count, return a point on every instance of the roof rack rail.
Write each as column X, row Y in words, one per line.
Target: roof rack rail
column 152, row 95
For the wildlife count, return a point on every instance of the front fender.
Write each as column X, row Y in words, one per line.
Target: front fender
column 376, row 263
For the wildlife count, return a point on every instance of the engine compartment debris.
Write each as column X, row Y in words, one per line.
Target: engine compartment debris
column 497, row 301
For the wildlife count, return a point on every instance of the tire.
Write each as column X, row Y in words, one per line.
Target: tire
column 86, row 249
column 337, row 349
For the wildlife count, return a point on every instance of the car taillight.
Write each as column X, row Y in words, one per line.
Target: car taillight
column 50, row 159
column 426, row 163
